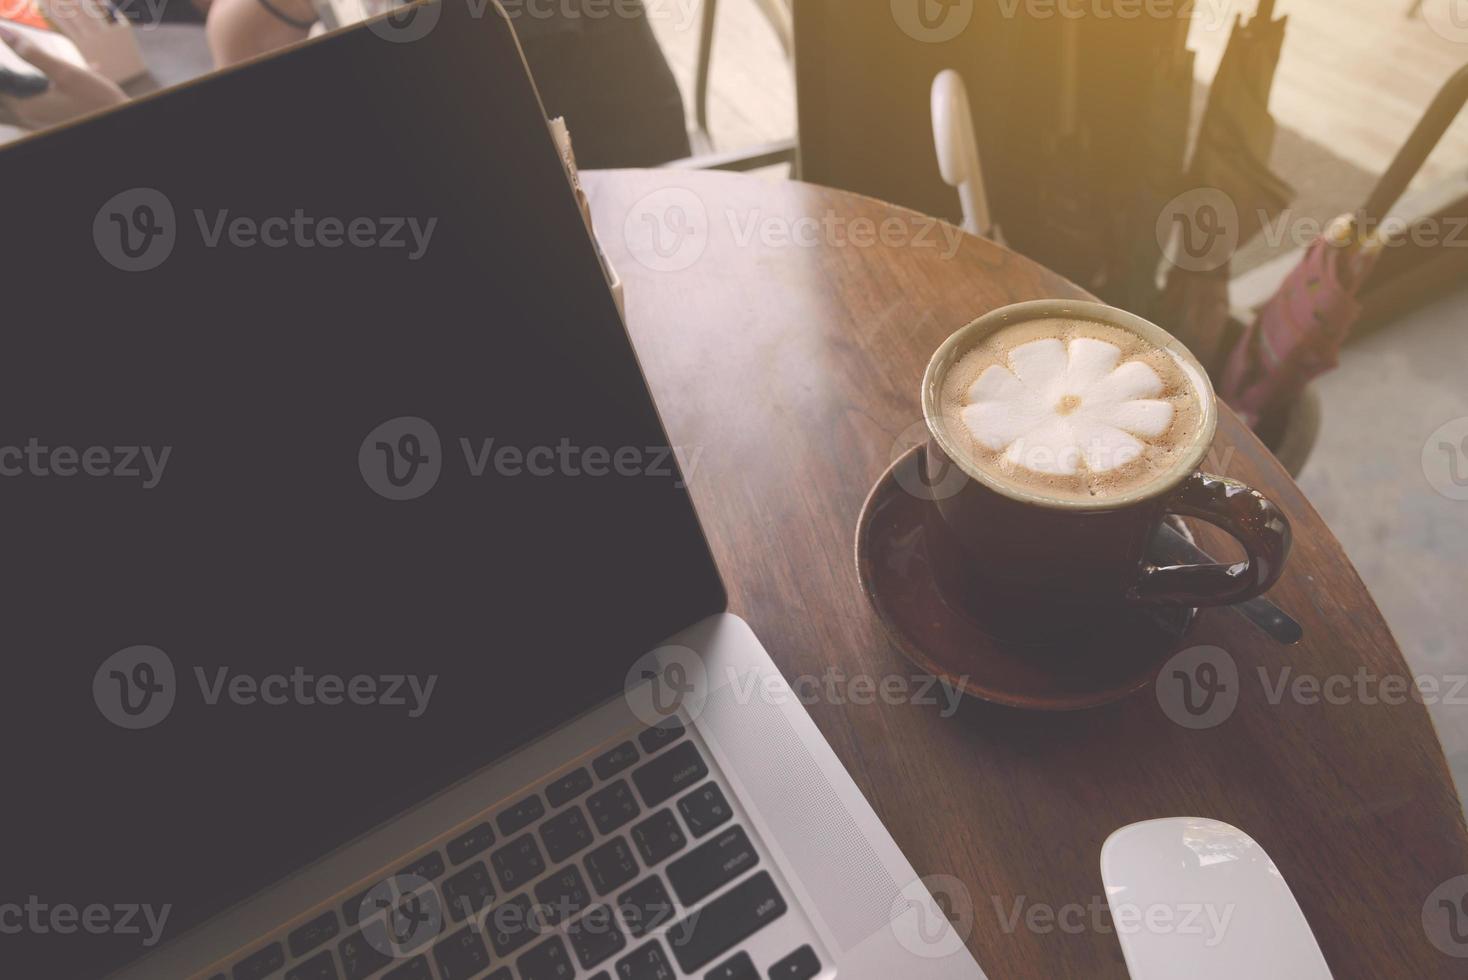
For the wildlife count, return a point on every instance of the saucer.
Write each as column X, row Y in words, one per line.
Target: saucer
column 1094, row 663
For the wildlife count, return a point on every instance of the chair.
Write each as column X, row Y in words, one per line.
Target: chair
column 706, row 155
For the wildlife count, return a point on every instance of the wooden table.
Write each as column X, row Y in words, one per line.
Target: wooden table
column 790, row 352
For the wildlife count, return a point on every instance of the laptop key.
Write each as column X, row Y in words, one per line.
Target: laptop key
column 429, row 867
column 673, row 771
column 658, row 837
column 461, row 955
column 305, row 938
column 612, row 807
column 548, row 961
column 352, row 908
column 520, row 815
column 645, row 963
column 361, row 958
column 611, row 866
column 563, row 895
column 608, row 764
column 661, row 735
column 726, row 922
column 319, row 967
column 565, row 834
column 468, row 891
column 518, row 862
column 799, row 965
column 471, row 842
column 414, row 969
column 568, row 787
column 512, row 924
column 595, row 936
column 711, row 865
column 645, row 906
column 259, row 963
column 736, row 967
column 705, row 809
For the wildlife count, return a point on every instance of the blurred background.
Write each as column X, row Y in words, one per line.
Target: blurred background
column 1281, row 183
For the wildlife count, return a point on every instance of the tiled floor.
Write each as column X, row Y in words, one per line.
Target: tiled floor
column 1392, row 391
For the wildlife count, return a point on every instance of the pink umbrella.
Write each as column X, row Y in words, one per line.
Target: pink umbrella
column 1299, row 332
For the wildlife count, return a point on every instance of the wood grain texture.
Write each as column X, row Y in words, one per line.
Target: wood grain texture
column 794, row 369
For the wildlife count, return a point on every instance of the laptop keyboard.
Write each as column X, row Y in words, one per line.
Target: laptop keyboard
column 576, row 880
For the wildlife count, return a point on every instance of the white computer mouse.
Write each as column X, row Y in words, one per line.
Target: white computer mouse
column 1199, row 898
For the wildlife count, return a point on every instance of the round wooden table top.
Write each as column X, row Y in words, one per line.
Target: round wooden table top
column 784, row 329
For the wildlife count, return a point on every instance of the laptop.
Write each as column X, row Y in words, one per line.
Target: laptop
column 358, row 618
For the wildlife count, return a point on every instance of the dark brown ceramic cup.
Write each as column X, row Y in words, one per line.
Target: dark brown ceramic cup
column 994, row 540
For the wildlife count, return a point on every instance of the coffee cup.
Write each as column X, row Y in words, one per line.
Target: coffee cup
column 1061, row 435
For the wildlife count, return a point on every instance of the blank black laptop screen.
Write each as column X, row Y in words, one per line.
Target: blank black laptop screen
column 361, row 407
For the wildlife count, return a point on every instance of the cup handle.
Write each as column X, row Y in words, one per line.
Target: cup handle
column 1243, row 512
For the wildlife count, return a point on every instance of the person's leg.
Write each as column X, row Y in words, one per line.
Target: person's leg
column 607, row 75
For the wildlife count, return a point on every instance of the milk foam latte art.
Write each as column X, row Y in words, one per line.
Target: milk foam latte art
column 1071, row 408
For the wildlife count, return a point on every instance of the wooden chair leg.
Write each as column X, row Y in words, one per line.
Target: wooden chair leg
column 701, row 78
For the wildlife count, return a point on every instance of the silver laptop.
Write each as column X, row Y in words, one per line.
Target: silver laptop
column 363, row 621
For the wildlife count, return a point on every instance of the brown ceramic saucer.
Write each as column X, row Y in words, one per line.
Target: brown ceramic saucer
column 999, row 648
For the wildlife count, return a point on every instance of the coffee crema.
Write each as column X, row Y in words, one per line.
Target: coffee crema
column 1072, row 409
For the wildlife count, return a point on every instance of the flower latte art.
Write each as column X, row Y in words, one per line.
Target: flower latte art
column 1070, row 408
